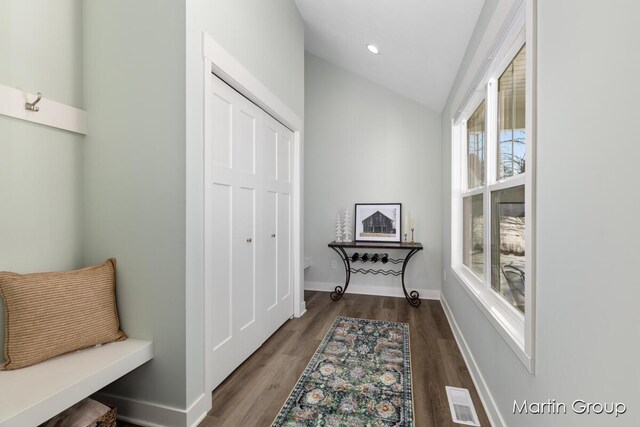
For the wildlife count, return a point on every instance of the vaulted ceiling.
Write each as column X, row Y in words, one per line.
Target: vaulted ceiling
column 421, row 42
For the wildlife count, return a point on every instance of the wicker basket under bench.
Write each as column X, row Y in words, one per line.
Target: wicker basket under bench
column 108, row 419
column 86, row 413
column 32, row 395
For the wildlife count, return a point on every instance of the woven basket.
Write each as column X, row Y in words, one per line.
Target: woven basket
column 108, row 419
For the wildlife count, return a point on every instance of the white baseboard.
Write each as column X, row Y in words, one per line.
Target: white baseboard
column 489, row 403
column 149, row 414
column 198, row 410
column 303, row 308
column 384, row 291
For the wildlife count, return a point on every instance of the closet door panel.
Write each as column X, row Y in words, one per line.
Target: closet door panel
column 284, row 156
column 232, row 203
column 270, row 152
column 284, row 246
column 221, row 128
column 220, row 259
column 269, row 255
column 244, row 258
column 244, row 139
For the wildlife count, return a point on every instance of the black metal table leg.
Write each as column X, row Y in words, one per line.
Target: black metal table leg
column 413, row 297
column 339, row 291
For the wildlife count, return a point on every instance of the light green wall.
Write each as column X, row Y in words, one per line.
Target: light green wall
column 587, row 243
column 134, row 191
column 143, row 80
column 365, row 143
column 40, row 167
column 41, row 48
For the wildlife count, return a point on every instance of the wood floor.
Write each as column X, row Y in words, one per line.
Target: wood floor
column 253, row 395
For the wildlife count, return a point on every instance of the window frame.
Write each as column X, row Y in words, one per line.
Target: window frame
column 515, row 327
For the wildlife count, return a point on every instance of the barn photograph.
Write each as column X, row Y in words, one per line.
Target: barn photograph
column 377, row 222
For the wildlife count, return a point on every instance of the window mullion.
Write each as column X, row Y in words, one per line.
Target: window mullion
column 487, row 237
column 513, row 181
column 457, row 164
column 492, row 131
column 490, row 179
column 473, row 192
column 464, row 185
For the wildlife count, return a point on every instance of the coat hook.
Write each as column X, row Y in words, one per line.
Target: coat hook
column 31, row 106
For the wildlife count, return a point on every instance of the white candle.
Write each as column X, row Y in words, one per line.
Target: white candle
column 405, row 224
column 413, row 221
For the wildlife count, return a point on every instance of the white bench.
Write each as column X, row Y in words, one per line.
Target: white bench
column 30, row 396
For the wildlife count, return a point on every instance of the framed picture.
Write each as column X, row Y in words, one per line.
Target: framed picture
column 378, row 222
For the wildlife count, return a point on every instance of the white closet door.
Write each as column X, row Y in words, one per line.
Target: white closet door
column 248, row 239
column 277, row 161
column 233, row 199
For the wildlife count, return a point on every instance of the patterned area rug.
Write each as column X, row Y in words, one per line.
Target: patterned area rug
column 360, row 376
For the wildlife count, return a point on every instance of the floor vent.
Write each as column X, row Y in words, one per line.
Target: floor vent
column 461, row 405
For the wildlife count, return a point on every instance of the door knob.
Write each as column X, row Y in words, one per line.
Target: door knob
column 273, row 235
column 249, row 240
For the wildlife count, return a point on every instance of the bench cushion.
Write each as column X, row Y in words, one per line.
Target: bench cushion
column 48, row 314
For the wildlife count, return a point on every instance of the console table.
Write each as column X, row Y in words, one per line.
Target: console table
column 340, row 247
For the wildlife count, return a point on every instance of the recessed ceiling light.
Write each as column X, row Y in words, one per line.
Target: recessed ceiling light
column 373, row 49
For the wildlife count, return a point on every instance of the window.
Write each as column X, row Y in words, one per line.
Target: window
column 497, row 185
column 492, row 185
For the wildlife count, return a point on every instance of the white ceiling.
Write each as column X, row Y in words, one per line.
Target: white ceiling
column 421, row 42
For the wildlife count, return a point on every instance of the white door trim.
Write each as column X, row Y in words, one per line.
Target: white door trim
column 220, row 62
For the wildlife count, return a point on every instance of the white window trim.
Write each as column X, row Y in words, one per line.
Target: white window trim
column 517, row 330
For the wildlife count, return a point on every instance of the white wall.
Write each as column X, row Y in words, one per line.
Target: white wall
column 40, row 167
column 267, row 38
column 363, row 144
column 134, row 181
column 587, row 322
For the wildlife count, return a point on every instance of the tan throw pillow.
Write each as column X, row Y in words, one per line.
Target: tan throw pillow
column 48, row 314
